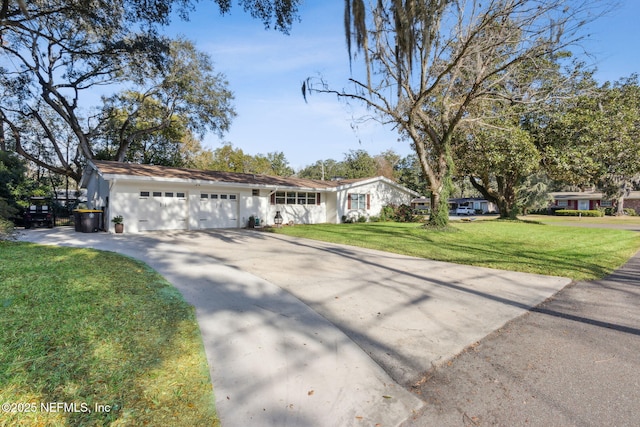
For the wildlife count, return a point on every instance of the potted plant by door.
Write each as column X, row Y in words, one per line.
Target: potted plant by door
column 118, row 223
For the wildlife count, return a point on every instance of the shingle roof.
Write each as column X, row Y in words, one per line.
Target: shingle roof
column 137, row 170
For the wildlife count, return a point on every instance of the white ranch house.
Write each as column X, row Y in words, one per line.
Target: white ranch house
column 165, row 198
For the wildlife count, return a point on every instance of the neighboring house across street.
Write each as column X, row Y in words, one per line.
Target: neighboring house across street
column 590, row 200
column 475, row 203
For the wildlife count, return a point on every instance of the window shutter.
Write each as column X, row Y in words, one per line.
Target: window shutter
column 348, row 201
column 273, row 198
column 368, row 201
column 317, row 198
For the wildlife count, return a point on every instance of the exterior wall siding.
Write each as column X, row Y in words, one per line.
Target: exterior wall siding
column 256, row 206
column 298, row 214
column 633, row 204
column 381, row 194
column 97, row 192
column 122, row 202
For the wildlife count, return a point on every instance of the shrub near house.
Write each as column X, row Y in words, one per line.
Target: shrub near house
column 571, row 212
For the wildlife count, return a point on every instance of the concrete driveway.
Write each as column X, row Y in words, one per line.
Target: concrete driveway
column 299, row 332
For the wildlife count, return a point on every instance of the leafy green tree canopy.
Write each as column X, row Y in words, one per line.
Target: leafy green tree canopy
column 356, row 164
column 595, row 140
column 230, row 159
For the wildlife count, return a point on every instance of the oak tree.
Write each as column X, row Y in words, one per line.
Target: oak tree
column 423, row 65
column 52, row 53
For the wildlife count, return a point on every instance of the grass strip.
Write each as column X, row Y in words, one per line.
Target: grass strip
column 578, row 253
column 101, row 333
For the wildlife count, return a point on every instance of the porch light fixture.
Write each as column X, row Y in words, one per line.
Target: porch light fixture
column 278, row 219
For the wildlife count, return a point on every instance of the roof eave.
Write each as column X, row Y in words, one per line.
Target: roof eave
column 133, row 178
column 374, row 179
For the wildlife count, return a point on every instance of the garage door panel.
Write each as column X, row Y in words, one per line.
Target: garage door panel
column 163, row 211
column 218, row 210
column 174, row 212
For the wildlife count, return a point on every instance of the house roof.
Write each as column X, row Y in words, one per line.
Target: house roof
column 466, row 199
column 118, row 170
column 588, row 195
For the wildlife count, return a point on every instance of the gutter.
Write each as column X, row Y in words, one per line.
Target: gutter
column 135, row 178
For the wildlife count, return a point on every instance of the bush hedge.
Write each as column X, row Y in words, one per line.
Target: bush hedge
column 627, row 211
column 6, row 229
column 571, row 212
column 397, row 213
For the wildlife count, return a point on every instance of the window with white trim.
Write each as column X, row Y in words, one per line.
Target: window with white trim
column 294, row 198
column 358, row 201
column 291, row 197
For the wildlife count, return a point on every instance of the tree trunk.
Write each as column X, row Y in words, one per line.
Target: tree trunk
column 620, row 206
column 508, row 209
column 437, row 169
column 504, row 198
column 507, row 196
column 3, row 143
column 439, row 217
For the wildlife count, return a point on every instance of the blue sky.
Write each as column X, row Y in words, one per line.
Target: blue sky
column 265, row 70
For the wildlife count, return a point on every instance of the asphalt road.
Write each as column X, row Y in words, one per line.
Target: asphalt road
column 572, row 361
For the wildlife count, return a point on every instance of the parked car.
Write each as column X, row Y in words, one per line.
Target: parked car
column 38, row 214
column 465, row 210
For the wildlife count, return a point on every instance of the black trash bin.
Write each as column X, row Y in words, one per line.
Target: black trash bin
column 76, row 220
column 87, row 220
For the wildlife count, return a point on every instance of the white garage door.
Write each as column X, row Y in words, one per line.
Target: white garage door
column 162, row 210
column 218, row 210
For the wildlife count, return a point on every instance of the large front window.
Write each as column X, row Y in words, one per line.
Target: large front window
column 295, row 198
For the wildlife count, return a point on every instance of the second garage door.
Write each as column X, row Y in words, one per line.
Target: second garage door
column 218, row 210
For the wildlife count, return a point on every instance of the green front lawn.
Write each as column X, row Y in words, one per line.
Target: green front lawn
column 578, row 253
column 84, row 328
column 622, row 221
